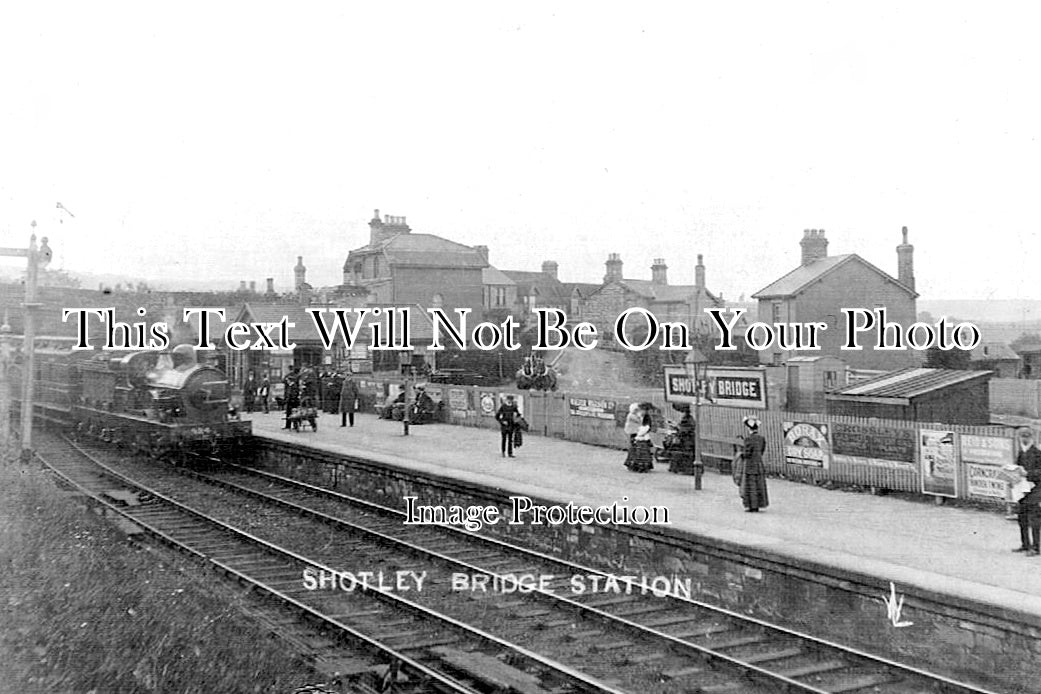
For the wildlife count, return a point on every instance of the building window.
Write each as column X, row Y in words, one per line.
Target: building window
column 830, row 379
column 777, row 312
column 375, row 266
column 500, row 297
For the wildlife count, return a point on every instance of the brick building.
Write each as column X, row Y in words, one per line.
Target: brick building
column 822, row 285
column 399, row 267
column 667, row 302
column 545, row 290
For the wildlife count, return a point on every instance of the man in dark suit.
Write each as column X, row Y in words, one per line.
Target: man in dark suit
column 507, row 415
column 1029, row 459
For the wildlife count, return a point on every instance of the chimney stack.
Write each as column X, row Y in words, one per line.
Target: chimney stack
column 658, row 272
column 905, row 262
column 549, row 267
column 242, row 285
column 270, row 285
column 381, row 230
column 483, row 252
column 699, row 273
column 300, row 272
column 614, row 268
column 252, row 286
column 814, row 246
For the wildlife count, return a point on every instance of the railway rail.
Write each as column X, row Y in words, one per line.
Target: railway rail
column 687, row 634
column 789, row 660
column 419, row 650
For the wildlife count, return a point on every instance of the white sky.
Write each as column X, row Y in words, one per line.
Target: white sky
column 222, row 140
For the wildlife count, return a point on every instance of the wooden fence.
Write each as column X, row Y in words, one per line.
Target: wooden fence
column 878, row 453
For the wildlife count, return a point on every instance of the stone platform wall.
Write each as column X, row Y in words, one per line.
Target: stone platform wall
column 950, row 636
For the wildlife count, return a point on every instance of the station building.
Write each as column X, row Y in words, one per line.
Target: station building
column 823, row 285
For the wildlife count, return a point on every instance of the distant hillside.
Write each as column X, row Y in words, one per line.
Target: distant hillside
column 90, row 280
column 1022, row 311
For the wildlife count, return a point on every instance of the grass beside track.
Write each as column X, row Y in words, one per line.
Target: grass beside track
column 84, row 610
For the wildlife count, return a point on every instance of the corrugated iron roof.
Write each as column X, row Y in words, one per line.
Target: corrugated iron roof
column 909, row 383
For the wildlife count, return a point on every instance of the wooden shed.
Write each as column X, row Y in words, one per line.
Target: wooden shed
column 945, row 396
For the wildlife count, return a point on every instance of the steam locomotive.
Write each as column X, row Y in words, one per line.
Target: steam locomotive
column 164, row 404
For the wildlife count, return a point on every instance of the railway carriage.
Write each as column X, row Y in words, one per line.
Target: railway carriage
column 164, row 404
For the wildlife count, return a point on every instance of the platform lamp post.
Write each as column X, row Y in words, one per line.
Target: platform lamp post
column 695, row 364
column 37, row 256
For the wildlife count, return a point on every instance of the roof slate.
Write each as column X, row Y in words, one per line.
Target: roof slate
column 801, row 277
column 426, row 250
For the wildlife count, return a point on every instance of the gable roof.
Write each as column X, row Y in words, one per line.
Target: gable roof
column 423, row 250
column 493, row 275
column 664, row 293
column 583, row 289
column 993, row 351
column 544, row 286
column 803, row 276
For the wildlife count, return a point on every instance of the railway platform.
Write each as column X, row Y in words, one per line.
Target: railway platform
column 960, row 552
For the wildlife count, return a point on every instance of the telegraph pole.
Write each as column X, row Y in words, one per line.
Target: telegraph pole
column 36, row 256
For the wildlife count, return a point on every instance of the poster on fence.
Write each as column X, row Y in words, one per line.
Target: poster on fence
column 873, row 441
column 806, row 443
column 457, row 401
column 487, row 403
column 591, row 407
column 939, row 460
column 984, row 457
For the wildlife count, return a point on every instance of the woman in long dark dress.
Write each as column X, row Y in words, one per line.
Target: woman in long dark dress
column 753, row 473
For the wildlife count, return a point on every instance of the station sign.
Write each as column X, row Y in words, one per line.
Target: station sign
column 728, row 387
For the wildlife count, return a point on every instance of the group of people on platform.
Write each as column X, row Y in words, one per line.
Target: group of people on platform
column 749, row 472
column 411, row 403
column 304, row 392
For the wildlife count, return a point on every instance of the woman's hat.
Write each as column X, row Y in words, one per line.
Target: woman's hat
column 751, row 422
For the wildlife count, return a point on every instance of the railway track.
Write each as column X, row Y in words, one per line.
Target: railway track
column 400, row 643
column 696, row 647
column 789, row 660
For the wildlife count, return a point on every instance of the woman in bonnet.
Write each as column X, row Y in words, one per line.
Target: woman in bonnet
column 751, row 475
